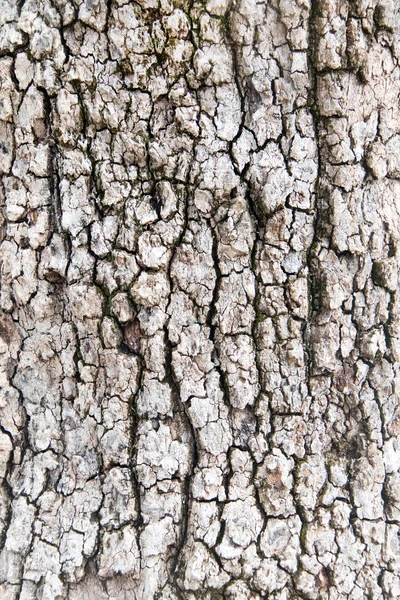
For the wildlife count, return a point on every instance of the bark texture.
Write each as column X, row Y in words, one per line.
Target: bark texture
column 200, row 314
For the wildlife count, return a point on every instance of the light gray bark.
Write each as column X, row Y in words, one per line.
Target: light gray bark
column 200, row 318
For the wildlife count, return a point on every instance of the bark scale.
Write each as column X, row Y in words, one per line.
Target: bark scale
column 200, row 318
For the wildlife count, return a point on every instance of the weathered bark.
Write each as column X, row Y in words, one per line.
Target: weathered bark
column 199, row 291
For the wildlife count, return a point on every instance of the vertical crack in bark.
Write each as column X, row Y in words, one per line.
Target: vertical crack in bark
column 312, row 44
column 134, row 421
column 53, row 166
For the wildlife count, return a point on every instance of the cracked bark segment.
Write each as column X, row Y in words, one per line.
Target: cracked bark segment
column 354, row 348
column 199, row 317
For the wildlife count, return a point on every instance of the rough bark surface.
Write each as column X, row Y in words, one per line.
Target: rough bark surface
column 200, row 317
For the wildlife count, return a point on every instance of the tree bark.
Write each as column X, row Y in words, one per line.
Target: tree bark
column 200, row 314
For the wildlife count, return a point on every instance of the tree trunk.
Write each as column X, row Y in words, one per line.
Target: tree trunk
column 200, row 317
